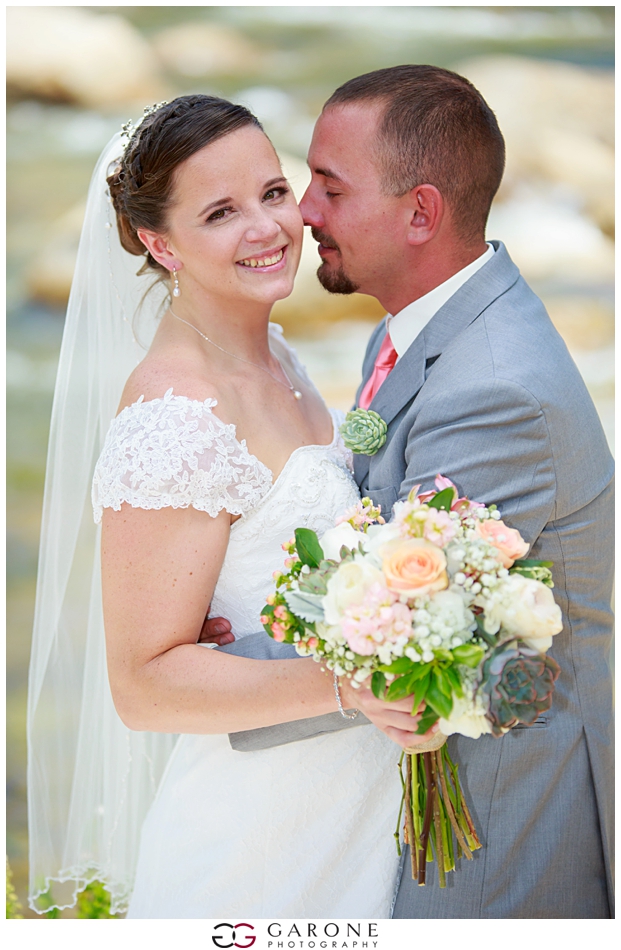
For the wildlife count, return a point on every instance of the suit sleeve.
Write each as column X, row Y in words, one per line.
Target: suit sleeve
column 491, row 439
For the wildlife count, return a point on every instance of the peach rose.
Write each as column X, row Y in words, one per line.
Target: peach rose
column 508, row 541
column 413, row 567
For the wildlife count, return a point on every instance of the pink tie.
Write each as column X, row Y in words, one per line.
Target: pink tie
column 386, row 359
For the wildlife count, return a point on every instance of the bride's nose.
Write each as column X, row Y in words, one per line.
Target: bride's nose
column 262, row 228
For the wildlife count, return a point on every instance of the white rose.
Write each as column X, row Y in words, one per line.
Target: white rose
column 334, row 539
column 526, row 608
column 348, row 586
column 377, row 535
column 467, row 718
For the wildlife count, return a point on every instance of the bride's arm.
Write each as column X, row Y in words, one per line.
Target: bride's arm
column 159, row 570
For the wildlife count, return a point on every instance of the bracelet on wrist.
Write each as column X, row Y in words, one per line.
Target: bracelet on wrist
column 337, row 693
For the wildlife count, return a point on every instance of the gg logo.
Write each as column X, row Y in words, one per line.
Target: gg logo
column 226, row 940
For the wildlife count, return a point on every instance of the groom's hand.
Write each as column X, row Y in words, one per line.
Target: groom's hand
column 394, row 719
column 216, row 630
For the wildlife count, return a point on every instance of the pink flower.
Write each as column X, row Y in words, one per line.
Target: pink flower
column 264, row 618
column 508, row 541
column 312, row 643
column 361, row 514
column 462, row 505
column 280, row 612
column 278, row 631
column 439, row 528
column 379, row 619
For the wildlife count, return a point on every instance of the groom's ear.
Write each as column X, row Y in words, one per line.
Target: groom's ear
column 426, row 211
column 158, row 246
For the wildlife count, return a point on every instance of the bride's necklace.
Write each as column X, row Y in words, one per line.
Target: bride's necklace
column 288, row 385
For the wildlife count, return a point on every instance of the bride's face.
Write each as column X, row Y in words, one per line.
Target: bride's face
column 233, row 224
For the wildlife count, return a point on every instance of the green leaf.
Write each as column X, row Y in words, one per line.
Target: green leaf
column 401, row 665
column 308, row 547
column 532, row 562
column 488, row 638
column 469, row 654
column 420, row 689
column 307, row 606
column 399, row 688
column 420, row 670
column 378, row 684
column 437, row 698
column 443, row 500
column 444, row 684
column 426, row 721
column 452, row 674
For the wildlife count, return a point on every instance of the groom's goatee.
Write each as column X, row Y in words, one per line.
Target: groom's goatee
column 334, row 281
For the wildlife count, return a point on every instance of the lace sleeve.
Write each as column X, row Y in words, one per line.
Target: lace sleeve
column 173, row 453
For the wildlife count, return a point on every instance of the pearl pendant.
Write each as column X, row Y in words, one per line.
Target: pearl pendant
column 297, row 394
column 176, row 292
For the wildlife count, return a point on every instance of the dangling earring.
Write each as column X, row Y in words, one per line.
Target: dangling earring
column 176, row 292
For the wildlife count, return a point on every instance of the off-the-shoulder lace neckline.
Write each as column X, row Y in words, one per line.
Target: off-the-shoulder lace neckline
column 209, row 404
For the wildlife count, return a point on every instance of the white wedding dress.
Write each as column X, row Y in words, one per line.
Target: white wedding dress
column 303, row 830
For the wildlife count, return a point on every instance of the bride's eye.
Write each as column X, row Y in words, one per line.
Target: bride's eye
column 275, row 193
column 219, row 214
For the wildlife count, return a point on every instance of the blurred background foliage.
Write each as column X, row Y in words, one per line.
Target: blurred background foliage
column 76, row 74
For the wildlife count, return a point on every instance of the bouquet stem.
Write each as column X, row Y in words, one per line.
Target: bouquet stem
column 435, row 810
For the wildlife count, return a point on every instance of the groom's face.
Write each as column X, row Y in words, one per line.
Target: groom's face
column 360, row 229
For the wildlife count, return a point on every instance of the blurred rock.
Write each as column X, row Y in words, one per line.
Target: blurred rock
column 71, row 54
column 201, row 49
column 558, row 123
column 585, row 323
column 51, row 271
column 550, row 238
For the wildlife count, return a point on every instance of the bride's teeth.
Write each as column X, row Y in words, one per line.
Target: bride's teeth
column 251, row 262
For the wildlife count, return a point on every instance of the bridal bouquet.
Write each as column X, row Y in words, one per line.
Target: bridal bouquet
column 441, row 605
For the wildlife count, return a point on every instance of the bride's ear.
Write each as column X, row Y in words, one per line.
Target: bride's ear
column 159, row 248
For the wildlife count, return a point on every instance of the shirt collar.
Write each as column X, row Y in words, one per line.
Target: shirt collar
column 406, row 325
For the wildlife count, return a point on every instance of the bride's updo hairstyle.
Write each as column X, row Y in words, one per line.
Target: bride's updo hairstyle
column 142, row 183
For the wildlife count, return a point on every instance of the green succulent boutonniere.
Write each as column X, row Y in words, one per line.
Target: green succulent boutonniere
column 364, row 431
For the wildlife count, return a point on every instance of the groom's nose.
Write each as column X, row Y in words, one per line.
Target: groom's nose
column 309, row 210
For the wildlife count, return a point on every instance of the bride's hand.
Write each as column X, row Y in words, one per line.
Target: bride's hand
column 394, row 719
column 216, row 630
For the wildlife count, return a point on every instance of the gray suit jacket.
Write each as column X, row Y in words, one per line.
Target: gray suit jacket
column 489, row 396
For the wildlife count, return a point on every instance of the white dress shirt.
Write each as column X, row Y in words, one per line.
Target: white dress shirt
column 406, row 325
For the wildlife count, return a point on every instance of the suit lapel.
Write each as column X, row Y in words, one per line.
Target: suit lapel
column 407, row 378
column 464, row 307
column 470, row 301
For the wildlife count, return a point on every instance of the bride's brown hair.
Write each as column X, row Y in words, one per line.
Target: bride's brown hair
column 141, row 184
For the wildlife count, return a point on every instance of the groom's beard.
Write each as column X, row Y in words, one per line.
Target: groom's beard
column 335, row 281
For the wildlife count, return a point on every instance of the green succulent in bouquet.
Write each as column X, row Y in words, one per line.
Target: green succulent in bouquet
column 519, row 683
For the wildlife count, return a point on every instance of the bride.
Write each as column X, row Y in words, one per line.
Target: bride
column 221, row 447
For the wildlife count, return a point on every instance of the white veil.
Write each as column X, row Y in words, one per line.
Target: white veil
column 90, row 779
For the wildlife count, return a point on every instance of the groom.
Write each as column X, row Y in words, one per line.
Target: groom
column 475, row 383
